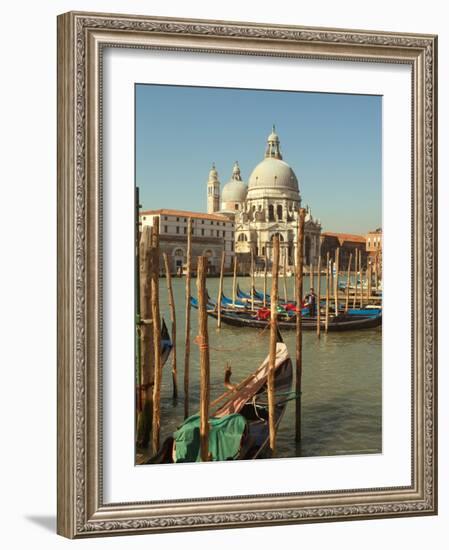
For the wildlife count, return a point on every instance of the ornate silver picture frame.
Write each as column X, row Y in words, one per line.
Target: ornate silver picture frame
column 82, row 40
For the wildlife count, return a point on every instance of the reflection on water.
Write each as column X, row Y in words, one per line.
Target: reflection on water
column 341, row 384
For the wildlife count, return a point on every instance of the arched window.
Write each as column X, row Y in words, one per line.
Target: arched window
column 271, row 213
column 279, row 211
column 208, row 253
column 281, row 238
column 242, row 238
column 178, row 252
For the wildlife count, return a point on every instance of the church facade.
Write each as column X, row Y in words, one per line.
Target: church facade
column 268, row 206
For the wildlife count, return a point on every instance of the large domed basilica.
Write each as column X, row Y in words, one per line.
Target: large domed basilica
column 266, row 207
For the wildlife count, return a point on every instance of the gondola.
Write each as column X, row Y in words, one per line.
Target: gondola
column 166, row 343
column 247, row 401
column 370, row 310
column 339, row 323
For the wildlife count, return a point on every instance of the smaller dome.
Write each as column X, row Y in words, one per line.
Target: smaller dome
column 234, row 191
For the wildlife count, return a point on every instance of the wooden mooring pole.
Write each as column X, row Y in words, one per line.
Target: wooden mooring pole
column 376, row 271
column 265, row 275
column 204, row 358
column 234, row 281
column 361, row 280
column 369, row 280
column 187, row 319
column 220, row 288
column 348, row 282
column 252, row 279
column 171, row 303
column 284, row 276
column 354, row 302
column 337, row 268
column 146, row 378
column 156, row 337
column 299, row 292
column 326, row 319
column 318, row 310
column 273, row 346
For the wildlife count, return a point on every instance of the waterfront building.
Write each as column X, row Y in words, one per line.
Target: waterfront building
column 266, row 207
column 347, row 243
column 211, row 234
column 374, row 242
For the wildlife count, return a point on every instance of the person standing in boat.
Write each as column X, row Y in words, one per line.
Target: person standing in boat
column 310, row 302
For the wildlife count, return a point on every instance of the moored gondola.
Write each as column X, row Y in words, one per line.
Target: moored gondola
column 238, row 419
column 339, row 323
column 354, row 319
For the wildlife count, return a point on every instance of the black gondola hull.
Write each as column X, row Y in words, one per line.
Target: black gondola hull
column 336, row 324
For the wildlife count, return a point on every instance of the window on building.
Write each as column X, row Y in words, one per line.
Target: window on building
column 185, row 230
column 281, row 238
column 242, row 238
column 279, row 211
column 236, row 206
column 177, row 229
column 202, row 221
column 165, row 218
column 144, row 217
column 218, row 233
column 202, row 232
column 165, row 229
column 271, row 213
column 224, row 233
column 232, row 246
column 177, row 219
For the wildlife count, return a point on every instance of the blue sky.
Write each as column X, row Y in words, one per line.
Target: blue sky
column 332, row 142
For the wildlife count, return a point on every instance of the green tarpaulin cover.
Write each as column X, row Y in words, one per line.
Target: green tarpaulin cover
column 225, row 435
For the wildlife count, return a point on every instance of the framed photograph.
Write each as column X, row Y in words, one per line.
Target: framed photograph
column 246, row 274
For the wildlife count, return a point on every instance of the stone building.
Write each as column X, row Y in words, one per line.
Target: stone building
column 374, row 243
column 348, row 244
column 266, row 207
column 211, row 234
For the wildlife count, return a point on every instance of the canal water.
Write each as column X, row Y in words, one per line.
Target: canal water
column 341, row 384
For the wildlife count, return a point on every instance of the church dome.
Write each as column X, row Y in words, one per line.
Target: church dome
column 273, row 177
column 235, row 190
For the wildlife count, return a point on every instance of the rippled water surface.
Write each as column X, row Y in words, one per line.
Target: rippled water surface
column 341, row 384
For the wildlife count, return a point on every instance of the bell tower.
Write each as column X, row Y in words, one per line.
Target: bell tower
column 213, row 191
